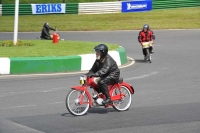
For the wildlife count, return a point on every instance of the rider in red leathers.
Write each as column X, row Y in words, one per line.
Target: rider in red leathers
column 146, row 35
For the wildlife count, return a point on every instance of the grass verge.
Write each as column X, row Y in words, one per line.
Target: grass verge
column 186, row 18
column 47, row 48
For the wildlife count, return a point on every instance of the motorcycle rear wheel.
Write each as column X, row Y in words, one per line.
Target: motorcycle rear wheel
column 73, row 102
column 125, row 103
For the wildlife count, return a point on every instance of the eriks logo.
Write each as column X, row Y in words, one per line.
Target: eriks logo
column 48, row 8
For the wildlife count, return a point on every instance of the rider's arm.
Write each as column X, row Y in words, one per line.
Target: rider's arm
column 140, row 38
column 94, row 68
column 152, row 36
column 52, row 29
column 105, row 69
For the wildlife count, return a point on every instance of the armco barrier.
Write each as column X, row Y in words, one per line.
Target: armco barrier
column 9, row 9
column 72, row 8
column 24, row 65
column 4, row 66
column 45, row 64
column 119, row 56
column 165, row 4
column 122, row 54
column 0, row 9
column 99, row 7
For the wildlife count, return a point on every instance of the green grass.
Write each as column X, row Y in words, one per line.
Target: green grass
column 51, row 1
column 47, row 48
column 157, row 19
column 186, row 18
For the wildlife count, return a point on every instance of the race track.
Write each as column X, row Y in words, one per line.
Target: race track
column 166, row 99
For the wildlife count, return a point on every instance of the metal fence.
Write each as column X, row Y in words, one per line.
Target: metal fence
column 0, row 9
column 71, row 8
column 9, row 9
column 166, row 4
column 99, row 7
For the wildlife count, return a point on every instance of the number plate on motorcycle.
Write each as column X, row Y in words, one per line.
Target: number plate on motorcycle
column 145, row 45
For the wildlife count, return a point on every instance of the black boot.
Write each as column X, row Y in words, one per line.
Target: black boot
column 107, row 100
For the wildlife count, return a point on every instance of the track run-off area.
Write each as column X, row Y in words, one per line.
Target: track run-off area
column 166, row 99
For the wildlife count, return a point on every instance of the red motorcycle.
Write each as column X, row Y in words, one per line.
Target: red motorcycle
column 79, row 99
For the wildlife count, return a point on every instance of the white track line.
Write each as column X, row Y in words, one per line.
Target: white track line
column 142, row 76
column 34, row 105
column 31, row 91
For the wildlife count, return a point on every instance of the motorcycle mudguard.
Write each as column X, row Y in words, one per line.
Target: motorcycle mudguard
column 128, row 86
column 81, row 88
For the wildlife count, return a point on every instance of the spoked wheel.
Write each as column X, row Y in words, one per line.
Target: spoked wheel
column 125, row 102
column 77, row 102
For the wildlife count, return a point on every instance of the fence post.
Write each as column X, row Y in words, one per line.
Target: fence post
column 16, row 22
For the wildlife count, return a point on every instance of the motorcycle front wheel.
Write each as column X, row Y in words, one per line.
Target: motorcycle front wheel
column 77, row 102
column 125, row 102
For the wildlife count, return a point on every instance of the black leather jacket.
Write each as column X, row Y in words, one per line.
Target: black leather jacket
column 106, row 68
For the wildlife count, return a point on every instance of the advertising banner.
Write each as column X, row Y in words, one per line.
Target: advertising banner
column 48, row 8
column 137, row 6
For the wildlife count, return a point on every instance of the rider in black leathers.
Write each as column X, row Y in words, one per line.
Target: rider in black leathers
column 45, row 32
column 106, row 68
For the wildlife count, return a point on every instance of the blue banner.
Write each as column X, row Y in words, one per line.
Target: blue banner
column 137, row 6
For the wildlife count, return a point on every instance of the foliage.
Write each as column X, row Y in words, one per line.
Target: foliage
column 48, row 48
column 9, row 43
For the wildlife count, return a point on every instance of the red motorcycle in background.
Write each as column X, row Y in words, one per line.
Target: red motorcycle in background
column 79, row 99
column 146, row 46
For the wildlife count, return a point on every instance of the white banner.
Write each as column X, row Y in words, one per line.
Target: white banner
column 48, row 8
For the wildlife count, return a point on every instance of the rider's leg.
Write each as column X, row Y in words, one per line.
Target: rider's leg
column 104, row 88
column 151, row 50
column 98, row 90
column 47, row 38
column 144, row 53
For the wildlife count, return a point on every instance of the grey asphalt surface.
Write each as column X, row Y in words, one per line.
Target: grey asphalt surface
column 166, row 99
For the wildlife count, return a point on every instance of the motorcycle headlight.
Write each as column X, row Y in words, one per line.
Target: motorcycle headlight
column 82, row 80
